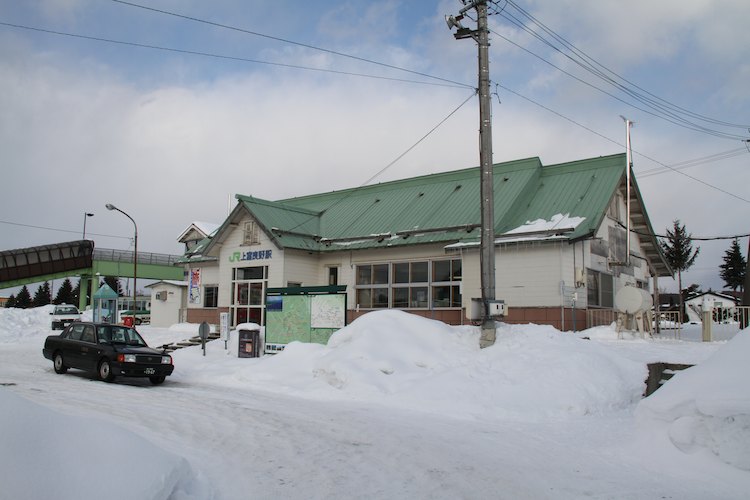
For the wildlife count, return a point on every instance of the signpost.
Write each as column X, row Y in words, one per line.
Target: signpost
column 203, row 330
column 224, row 326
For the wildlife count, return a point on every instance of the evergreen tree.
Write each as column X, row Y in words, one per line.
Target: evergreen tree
column 23, row 299
column 43, row 295
column 11, row 302
column 678, row 250
column 65, row 293
column 734, row 267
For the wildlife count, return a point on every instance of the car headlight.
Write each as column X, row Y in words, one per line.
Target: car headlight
column 126, row 358
column 166, row 360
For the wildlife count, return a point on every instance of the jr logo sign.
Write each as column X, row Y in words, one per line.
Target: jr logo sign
column 252, row 255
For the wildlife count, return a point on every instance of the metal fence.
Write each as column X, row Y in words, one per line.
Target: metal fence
column 600, row 317
column 110, row 255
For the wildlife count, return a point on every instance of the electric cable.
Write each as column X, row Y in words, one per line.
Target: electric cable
column 292, row 42
column 63, row 230
column 585, row 57
column 619, row 144
column 219, row 56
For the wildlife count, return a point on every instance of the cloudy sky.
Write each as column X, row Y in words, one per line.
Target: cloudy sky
column 167, row 108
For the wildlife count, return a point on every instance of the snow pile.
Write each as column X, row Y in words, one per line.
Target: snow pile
column 403, row 360
column 22, row 325
column 47, row 454
column 707, row 407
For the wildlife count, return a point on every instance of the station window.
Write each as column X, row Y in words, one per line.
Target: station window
column 410, row 285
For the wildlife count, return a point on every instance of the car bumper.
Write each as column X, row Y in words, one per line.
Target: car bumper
column 47, row 353
column 139, row 370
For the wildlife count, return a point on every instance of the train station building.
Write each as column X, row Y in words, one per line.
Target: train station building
column 562, row 246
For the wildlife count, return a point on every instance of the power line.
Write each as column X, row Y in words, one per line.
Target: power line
column 696, row 238
column 61, row 230
column 219, row 56
column 292, row 42
column 393, row 162
column 619, row 144
column 661, row 108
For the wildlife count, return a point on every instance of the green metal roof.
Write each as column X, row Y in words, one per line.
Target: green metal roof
column 442, row 207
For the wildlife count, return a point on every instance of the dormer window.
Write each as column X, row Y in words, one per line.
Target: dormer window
column 252, row 234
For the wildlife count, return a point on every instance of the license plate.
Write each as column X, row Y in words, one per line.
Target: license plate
column 149, row 371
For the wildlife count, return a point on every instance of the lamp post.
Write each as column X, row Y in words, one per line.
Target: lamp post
column 135, row 252
column 86, row 215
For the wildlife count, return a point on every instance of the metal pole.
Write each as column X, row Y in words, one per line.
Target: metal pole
column 135, row 253
column 86, row 215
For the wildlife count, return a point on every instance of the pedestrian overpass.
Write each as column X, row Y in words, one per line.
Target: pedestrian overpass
column 79, row 258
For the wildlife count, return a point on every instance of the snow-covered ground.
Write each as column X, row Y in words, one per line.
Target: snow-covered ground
column 395, row 406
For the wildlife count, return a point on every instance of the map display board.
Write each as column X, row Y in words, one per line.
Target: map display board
column 297, row 314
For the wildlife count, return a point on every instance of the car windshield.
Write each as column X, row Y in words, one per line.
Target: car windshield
column 120, row 335
column 66, row 310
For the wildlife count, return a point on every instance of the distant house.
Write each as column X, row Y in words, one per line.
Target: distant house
column 715, row 300
column 196, row 232
column 168, row 302
column 561, row 246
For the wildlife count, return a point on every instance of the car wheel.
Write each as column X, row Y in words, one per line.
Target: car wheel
column 59, row 363
column 157, row 379
column 105, row 371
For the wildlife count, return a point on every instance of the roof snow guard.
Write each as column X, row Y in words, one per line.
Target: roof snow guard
column 46, row 259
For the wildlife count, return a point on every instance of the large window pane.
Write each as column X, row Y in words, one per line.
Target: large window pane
column 419, row 296
column 250, row 273
column 401, row 297
column 380, row 297
column 441, row 296
column 456, row 270
column 419, row 273
column 364, row 275
column 441, row 270
column 243, row 294
column 607, row 290
column 364, row 298
column 380, row 274
column 401, row 272
column 256, row 294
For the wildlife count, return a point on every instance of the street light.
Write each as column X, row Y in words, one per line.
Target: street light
column 135, row 252
column 86, row 215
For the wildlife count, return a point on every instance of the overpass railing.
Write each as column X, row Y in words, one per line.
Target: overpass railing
column 163, row 259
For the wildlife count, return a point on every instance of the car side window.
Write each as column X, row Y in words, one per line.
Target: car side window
column 88, row 334
column 76, row 331
column 103, row 334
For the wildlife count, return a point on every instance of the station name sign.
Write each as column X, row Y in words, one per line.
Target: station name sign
column 251, row 255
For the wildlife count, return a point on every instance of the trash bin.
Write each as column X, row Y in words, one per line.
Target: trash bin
column 127, row 321
column 249, row 344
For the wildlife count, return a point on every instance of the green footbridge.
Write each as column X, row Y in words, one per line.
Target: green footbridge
column 24, row 266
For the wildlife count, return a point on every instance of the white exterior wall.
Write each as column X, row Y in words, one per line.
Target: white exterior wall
column 302, row 267
column 165, row 313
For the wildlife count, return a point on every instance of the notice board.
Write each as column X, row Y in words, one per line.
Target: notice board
column 303, row 314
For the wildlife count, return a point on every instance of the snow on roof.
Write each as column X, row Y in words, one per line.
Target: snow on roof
column 557, row 222
column 168, row 282
column 207, row 228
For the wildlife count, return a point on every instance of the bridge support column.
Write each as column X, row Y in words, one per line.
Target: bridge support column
column 84, row 291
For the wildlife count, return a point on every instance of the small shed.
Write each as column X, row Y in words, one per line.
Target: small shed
column 106, row 304
column 168, row 302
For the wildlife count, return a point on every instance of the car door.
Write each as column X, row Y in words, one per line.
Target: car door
column 71, row 346
column 88, row 349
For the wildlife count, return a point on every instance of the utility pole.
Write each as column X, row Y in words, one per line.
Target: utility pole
column 487, row 251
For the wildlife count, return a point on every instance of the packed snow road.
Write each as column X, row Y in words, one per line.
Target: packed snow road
column 236, row 432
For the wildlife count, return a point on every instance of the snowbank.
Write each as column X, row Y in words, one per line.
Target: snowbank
column 403, row 360
column 47, row 454
column 707, row 407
